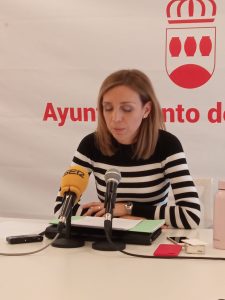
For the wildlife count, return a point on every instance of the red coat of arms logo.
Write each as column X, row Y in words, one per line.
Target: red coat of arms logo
column 190, row 50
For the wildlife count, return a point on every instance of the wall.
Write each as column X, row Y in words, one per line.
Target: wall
column 54, row 56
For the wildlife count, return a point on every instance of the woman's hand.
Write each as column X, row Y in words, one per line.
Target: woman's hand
column 94, row 209
column 133, row 217
column 97, row 209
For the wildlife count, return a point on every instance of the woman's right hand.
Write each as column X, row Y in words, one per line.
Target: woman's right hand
column 95, row 208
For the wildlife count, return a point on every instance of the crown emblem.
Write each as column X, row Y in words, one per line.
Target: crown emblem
column 190, row 50
column 191, row 11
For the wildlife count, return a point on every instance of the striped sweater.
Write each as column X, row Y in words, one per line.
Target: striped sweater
column 147, row 182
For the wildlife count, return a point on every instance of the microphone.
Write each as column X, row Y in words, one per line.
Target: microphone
column 73, row 184
column 112, row 178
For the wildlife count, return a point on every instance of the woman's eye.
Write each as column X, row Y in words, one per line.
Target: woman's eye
column 107, row 107
column 127, row 108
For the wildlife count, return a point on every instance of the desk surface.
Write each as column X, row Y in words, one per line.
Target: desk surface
column 84, row 273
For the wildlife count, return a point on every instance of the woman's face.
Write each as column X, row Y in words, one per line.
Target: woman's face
column 123, row 112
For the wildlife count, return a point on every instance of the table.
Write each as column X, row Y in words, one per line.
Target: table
column 84, row 273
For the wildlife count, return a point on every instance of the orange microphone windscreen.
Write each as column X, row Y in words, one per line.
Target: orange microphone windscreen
column 75, row 180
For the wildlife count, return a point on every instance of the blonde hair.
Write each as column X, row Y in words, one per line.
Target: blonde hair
column 147, row 136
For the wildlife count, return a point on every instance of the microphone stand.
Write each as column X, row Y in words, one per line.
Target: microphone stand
column 108, row 244
column 67, row 241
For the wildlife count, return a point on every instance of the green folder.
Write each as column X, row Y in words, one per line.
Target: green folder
column 144, row 233
column 148, row 226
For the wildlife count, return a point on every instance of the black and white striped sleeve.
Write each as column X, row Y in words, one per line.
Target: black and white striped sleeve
column 186, row 212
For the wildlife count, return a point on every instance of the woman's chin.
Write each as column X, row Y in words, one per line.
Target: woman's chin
column 122, row 139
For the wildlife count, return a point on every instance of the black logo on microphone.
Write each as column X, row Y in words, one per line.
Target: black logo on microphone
column 74, row 172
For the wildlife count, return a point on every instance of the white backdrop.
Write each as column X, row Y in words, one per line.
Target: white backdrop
column 54, row 54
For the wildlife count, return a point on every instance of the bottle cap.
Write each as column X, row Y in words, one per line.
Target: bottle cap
column 221, row 185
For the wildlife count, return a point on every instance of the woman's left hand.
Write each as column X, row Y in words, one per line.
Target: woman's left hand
column 133, row 217
column 97, row 209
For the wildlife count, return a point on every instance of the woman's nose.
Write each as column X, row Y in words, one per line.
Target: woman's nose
column 116, row 115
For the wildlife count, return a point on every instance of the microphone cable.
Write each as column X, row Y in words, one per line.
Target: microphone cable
column 31, row 252
column 157, row 257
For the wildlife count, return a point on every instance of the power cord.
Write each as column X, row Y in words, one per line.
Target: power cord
column 158, row 257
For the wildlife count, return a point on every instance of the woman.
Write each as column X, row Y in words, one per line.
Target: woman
column 131, row 137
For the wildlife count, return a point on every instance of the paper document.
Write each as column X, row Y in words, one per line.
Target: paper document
column 117, row 223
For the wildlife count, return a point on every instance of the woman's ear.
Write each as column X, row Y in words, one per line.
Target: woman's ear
column 147, row 109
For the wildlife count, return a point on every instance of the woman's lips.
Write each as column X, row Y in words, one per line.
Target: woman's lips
column 118, row 130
